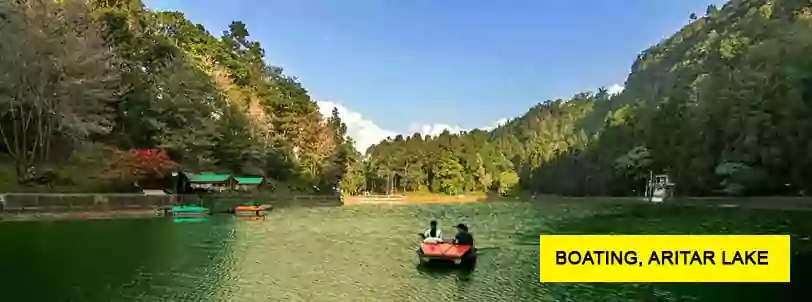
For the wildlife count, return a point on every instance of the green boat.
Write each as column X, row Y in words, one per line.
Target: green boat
column 189, row 211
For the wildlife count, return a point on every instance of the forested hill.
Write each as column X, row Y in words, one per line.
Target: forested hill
column 724, row 106
column 83, row 79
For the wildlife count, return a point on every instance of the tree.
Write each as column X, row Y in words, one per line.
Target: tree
column 343, row 170
column 484, row 178
column 733, row 87
column 338, row 126
column 506, row 182
column 185, row 99
column 711, row 11
column 59, row 78
column 739, row 178
column 352, row 181
column 730, row 88
column 634, row 164
column 447, row 175
column 234, row 148
column 138, row 164
column 118, row 74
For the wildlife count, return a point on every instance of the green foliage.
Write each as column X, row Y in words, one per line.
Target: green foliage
column 447, row 175
column 711, row 11
column 732, row 86
column 58, row 82
column 506, row 182
column 128, row 77
column 634, row 164
column 739, row 179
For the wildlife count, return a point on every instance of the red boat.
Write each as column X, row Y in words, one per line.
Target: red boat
column 445, row 252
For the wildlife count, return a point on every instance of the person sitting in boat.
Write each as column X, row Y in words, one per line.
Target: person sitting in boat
column 432, row 234
column 463, row 237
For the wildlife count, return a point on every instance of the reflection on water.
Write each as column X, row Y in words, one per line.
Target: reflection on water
column 353, row 253
column 441, row 270
column 251, row 218
column 111, row 260
column 189, row 219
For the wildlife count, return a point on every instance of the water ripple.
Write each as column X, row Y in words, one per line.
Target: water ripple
column 353, row 253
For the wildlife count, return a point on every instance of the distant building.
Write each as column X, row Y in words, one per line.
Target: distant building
column 248, row 183
column 220, row 182
column 211, row 181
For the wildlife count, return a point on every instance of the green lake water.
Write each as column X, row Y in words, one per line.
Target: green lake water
column 361, row 253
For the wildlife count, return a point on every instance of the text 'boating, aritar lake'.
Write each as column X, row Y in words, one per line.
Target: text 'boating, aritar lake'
column 359, row 253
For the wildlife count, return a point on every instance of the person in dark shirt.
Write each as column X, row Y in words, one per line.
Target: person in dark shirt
column 463, row 237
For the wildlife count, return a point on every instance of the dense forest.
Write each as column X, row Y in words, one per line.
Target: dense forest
column 83, row 80
column 724, row 106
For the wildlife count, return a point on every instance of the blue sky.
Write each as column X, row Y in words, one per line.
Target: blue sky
column 399, row 66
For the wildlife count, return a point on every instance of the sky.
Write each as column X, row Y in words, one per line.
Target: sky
column 404, row 66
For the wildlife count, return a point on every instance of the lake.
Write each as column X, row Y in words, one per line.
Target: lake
column 361, row 253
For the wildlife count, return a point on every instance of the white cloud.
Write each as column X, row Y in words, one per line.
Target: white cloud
column 499, row 122
column 437, row 128
column 365, row 132
column 433, row 129
column 615, row 89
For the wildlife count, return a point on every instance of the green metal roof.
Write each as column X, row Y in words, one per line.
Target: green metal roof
column 208, row 177
column 248, row 180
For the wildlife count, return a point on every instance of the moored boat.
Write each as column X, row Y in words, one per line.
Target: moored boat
column 189, row 211
column 251, row 210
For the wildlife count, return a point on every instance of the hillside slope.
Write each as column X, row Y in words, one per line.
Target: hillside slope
column 722, row 106
column 123, row 76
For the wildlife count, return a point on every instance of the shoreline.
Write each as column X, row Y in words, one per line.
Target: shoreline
column 765, row 203
column 86, row 215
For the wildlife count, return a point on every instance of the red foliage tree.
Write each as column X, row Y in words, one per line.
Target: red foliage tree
column 138, row 164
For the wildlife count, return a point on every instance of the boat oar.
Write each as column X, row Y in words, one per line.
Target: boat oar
column 485, row 250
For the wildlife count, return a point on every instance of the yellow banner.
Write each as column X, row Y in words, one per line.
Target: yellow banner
column 664, row 258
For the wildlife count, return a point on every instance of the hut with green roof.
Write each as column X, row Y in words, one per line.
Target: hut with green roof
column 248, row 183
column 211, row 181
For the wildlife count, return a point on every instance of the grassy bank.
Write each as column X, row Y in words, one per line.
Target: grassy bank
column 22, row 206
column 92, row 206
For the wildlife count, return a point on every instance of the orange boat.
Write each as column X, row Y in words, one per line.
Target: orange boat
column 251, row 210
column 445, row 252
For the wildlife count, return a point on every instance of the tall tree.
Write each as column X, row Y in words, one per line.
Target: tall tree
column 58, row 78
